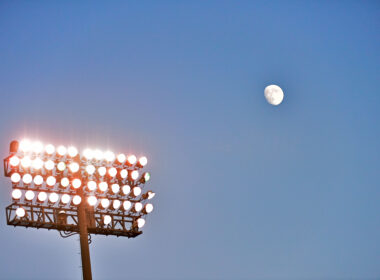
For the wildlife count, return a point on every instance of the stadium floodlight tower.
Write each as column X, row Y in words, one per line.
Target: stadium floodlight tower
column 92, row 192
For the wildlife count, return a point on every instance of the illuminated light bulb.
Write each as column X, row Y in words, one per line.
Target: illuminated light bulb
column 77, row 200
column 42, row 196
column 65, row 198
column 102, row 171
column 124, row 173
column 140, row 222
column 138, row 206
column 20, row 212
column 61, row 166
column 76, row 183
column 126, row 189
column 116, row 204
column 29, row 195
column 72, row 151
column 134, row 175
column 25, row 145
column 127, row 205
column 143, row 161
column 65, row 182
column 148, row 208
column 74, row 167
column 90, row 169
column 14, row 161
column 98, row 154
column 109, row 156
column 16, row 194
column 27, row 178
column 49, row 164
column 105, row 203
column 61, row 150
column 112, row 171
column 92, row 200
column 132, row 159
column 103, row 186
column 146, row 176
column 15, row 178
column 38, row 180
column 91, row 185
column 151, row 195
column 136, row 191
column 26, row 162
column 88, row 154
column 115, row 188
column 107, row 219
column 37, row 147
column 121, row 158
column 50, row 181
column 53, row 197
column 37, row 163
column 49, row 149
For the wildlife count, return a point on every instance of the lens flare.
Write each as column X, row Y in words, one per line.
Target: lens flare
column 88, row 154
column 37, row 164
column 25, row 145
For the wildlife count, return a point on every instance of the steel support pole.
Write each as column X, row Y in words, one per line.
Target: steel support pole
column 83, row 233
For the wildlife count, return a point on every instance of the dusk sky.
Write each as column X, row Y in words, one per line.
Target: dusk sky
column 245, row 190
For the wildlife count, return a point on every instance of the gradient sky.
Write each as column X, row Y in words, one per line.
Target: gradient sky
column 245, row 190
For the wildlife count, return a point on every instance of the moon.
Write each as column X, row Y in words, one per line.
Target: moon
column 274, row 95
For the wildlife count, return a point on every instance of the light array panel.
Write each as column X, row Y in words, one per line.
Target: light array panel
column 60, row 178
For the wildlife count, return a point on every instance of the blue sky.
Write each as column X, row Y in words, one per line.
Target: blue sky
column 245, row 190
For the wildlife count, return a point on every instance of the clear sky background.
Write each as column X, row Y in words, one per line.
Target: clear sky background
column 245, row 190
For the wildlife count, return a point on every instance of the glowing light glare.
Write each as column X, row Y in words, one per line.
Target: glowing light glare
column 109, row 156
column 53, row 197
column 88, row 154
column 143, row 161
column 105, row 203
column 149, row 208
column 50, row 181
column 98, row 154
column 112, row 171
column 27, row 178
column 14, row 161
column 103, row 186
column 65, row 182
column 38, row 180
column 42, row 196
column 126, row 189
column 91, row 185
column 90, row 169
column 102, row 171
column 138, row 206
column 49, row 164
column 121, row 158
column 77, row 200
column 116, row 204
column 136, row 191
column 16, row 194
column 72, row 151
column 134, row 175
column 115, row 188
column 20, row 212
column 92, row 200
column 151, row 194
column 37, row 147
column 26, row 162
column 127, row 205
column 49, row 149
column 61, row 150
column 25, row 145
column 61, row 166
column 74, row 167
column 132, row 159
column 15, row 178
column 124, row 173
column 140, row 222
column 146, row 176
column 37, row 163
column 107, row 219
column 29, row 195
column 76, row 183
column 65, row 198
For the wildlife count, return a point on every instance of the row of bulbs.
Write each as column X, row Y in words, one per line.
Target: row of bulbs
column 37, row 147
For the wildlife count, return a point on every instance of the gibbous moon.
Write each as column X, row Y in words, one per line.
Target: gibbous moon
column 274, row 95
